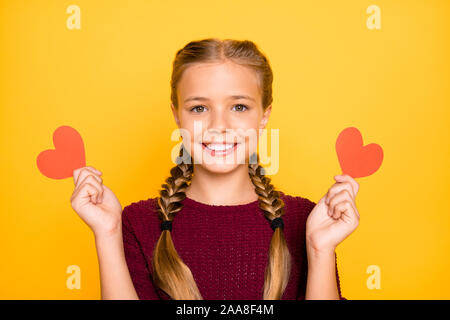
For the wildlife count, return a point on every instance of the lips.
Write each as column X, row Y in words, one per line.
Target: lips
column 219, row 149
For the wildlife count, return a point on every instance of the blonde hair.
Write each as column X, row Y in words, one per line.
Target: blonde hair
column 170, row 273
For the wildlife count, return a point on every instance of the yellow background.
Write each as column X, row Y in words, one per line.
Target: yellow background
column 110, row 81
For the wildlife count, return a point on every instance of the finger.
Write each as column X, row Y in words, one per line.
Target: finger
column 336, row 188
column 84, row 173
column 75, row 174
column 87, row 190
column 93, row 181
column 355, row 210
column 96, row 170
column 79, row 171
column 345, row 211
column 337, row 198
column 353, row 215
column 336, row 213
column 348, row 178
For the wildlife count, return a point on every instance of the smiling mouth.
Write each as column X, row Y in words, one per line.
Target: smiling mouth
column 220, row 149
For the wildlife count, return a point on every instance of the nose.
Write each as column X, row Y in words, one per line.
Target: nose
column 219, row 121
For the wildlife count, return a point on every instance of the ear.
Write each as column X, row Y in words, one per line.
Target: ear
column 175, row 114
column 265, row 117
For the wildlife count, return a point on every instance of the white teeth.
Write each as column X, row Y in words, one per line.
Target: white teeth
column 220, row 146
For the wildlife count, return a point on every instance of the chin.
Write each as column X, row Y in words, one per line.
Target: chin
column 220, row 168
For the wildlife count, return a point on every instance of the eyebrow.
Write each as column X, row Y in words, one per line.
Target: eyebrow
column 233, row 97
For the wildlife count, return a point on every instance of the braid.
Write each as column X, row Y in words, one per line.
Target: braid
column 173, row 276
column 173, row 191
column 170, row 273
column 269, row 199
column 279, row 261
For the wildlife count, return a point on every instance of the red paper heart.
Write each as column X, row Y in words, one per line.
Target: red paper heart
column 355, row 159
column 67, row 156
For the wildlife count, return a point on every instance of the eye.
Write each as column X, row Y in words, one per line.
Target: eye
column 241, row 107
column 197, row 108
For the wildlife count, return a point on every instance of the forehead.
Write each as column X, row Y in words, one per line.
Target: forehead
column 218, row 80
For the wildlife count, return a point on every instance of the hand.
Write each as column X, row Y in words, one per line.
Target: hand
column 95, row 203
column 334, row 217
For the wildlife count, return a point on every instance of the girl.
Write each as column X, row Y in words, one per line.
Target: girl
column 219, row 229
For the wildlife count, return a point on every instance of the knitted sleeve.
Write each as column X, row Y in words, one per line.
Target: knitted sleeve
column 137, row 264
column 309, row 205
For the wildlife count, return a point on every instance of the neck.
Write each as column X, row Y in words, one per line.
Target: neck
column 231, row 188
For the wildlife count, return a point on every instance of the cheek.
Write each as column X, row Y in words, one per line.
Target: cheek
column 248, row 122
column 251, row 146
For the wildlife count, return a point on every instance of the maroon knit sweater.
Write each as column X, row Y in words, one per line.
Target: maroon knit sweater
column 225, row 246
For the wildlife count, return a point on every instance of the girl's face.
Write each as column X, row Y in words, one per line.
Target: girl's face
column 220, row 113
